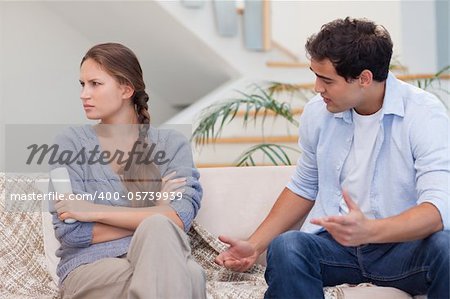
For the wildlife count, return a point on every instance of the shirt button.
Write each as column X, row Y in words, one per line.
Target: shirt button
column 338, row 193
column 338, row 167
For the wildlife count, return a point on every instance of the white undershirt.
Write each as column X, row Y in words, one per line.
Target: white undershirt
column 357, row 174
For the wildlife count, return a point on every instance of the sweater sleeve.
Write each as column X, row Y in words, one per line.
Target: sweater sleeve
column 78, row 234
column 181, row 161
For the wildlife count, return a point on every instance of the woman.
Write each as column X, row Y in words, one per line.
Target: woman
column 125, row 243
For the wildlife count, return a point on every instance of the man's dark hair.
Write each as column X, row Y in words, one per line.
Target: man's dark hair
column 353, row 45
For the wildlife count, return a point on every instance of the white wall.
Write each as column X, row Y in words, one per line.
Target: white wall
column 295, row 21
column 40, row 66
column 39, row 63
column 2, row 110
column 411, row 24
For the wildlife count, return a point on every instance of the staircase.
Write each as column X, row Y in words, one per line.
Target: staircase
column 225, row 28
column 229, row 148
column 240, row 33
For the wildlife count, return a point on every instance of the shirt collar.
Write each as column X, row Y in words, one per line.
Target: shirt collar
column 392, row 101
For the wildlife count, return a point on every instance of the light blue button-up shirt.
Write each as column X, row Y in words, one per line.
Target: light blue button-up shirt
column 410, row 160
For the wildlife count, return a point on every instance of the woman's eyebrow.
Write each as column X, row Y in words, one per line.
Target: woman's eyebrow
column 90, row 80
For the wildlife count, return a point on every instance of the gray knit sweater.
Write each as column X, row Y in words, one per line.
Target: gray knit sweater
column 76, row 247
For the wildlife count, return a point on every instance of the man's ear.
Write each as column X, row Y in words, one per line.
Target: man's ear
column 127, row 91
column 365, row 78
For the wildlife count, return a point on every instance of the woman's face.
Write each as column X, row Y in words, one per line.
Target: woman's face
column 102, row 96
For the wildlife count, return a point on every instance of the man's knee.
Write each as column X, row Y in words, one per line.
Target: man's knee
column 438, row 244
column 287, row 245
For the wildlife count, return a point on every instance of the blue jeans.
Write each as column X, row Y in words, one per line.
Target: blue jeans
column 299, row 265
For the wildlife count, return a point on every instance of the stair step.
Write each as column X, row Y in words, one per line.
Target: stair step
column 287, row 64
column 228, row 153
column 294, row 111
column 256, row 140
column 215, row 165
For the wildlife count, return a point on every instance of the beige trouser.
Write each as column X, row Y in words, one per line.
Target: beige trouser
column 158, row 265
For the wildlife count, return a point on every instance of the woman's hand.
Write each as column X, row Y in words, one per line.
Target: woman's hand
column 170, row 185
column 80, row 210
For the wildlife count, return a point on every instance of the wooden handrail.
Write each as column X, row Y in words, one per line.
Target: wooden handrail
column 397, row 67
column 267, row 25
column 213, row 165
column 298, row 64
column 287, row 64
column 285, row 51
column 294, row 111
column 257, row 139
column 421, row 76
column 411, row 77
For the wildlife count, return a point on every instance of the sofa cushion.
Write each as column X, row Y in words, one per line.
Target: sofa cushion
column 237, row 199
column 23, row 270
column 51, row 244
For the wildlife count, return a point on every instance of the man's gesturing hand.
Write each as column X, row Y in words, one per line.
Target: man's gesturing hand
column 240, row 256
column 352, row 229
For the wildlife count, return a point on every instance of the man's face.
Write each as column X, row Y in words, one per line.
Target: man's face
column 337, row 93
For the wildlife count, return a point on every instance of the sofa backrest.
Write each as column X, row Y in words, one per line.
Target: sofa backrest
column 237, row 199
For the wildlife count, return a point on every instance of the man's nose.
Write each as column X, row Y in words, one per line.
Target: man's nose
column 318, row 87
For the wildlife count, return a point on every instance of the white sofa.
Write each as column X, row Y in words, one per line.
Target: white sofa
column 235, row 201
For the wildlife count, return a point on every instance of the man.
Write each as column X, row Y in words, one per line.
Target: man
column 373, row 176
